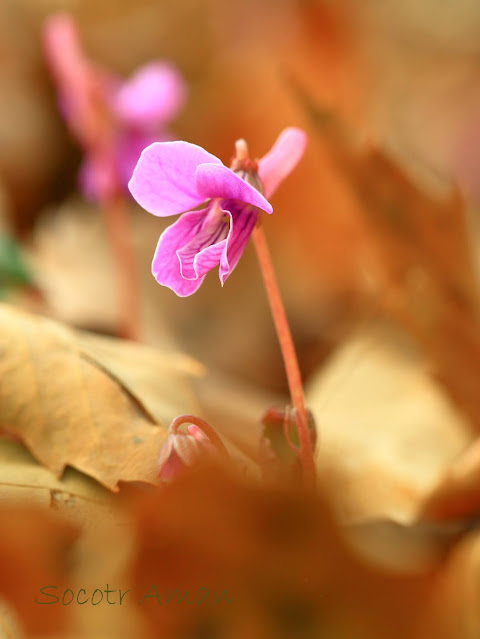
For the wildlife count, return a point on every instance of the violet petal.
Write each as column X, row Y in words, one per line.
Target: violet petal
column 129, row 148
column 203, row 252
column 217, row 181
column 166, row 265
column 282, row 158
column 151, row 97
column 242, row 222
column 96, row 180
column 163, row 181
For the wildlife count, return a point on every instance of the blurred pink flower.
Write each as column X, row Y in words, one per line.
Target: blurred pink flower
column 177, row 177
column 112, row 119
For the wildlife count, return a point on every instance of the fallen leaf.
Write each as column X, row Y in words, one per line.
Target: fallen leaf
column 387, row 433
column 424, row 277
column 140, row 369
column 66, row 409
column 75, row 496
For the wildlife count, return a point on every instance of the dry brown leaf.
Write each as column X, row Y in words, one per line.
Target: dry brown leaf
column 387, row 433
column 67, row 409
column 424, row 275
column 233, row 408
column 141, row 370
column 101, row 405
column 76, row 496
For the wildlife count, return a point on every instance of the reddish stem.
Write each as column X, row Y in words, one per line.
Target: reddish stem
column 93, row 122
column 119, row 232
column 98, row 134
column 287, row 347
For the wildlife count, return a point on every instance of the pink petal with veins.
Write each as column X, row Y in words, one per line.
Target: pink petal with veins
column 242, row 222
column 216, row 181
column 202, row 253
column 163, row 181
column 166, row 264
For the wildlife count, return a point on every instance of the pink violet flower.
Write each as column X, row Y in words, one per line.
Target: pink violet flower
column 113, row 120
column 219, row 206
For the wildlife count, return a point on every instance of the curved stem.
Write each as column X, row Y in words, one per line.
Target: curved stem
column 292, row 368
column 204, row 427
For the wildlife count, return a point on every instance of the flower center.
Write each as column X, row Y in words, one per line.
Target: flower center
column 246, row 168
column 215, row 214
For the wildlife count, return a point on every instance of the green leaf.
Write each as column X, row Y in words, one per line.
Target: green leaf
column 14, row 271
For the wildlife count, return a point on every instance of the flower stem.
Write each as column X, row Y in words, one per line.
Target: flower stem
column 288, row 351
column 117, row 224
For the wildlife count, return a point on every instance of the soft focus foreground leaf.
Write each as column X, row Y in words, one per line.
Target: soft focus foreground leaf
column 456, row 596
column 34, row 552
column 94, row 562
column 276, row 554
column 69, row 410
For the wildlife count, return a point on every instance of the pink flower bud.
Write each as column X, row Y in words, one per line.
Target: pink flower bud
column 183, row 450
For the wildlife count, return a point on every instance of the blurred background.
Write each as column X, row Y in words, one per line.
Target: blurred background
column 378, row 222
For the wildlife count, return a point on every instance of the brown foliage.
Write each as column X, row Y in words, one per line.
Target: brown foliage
column 423, row 276
column 67, row 408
